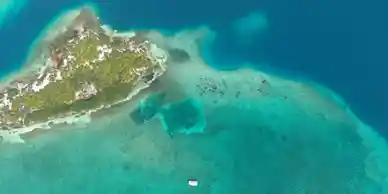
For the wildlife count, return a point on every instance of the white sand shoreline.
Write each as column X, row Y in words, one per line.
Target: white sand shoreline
column 13, row 135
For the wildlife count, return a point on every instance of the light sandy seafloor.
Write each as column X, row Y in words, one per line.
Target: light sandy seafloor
column 278, row 136
column 280, row 99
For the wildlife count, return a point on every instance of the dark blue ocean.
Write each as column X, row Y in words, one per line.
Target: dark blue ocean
column 339, row 44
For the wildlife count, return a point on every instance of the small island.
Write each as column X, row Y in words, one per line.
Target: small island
column 86, row 68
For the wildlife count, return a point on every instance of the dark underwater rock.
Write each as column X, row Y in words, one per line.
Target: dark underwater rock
column 178, row 55
column 148, row 108
column 185, row 117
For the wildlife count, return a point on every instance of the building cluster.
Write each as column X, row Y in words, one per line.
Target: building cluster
column 87, row 91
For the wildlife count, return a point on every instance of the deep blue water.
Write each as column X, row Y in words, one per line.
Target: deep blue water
column 341, row 44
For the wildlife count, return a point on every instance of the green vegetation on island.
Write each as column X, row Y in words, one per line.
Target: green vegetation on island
column 88, row 70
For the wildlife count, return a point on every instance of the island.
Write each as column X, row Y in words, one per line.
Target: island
column 87, row 67
column 235, row 131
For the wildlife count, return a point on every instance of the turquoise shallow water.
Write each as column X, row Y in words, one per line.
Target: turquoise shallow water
column 277, row 137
